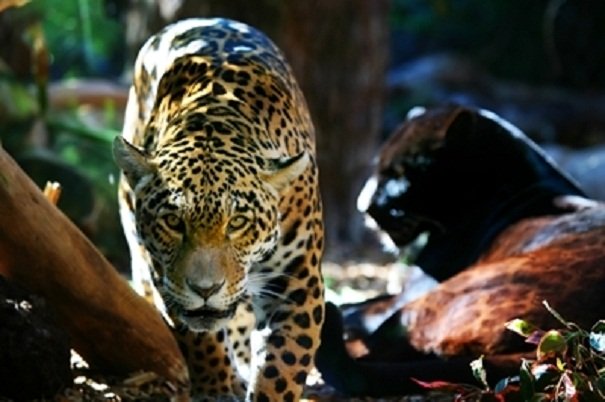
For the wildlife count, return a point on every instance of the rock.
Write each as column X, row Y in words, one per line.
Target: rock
column 34, row 352
column 586, row 165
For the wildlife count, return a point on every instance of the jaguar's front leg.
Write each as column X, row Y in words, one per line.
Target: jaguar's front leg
column 211, row 368
column 281, row 366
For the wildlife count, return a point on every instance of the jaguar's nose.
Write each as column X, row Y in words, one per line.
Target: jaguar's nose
column 204, row 289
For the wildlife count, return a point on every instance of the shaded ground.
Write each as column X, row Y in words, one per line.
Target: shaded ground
column 350, row 282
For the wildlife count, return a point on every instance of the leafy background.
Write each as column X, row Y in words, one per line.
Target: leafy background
column 538, row 63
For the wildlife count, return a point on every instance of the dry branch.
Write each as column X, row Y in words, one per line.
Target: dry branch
column 109, row 324
column 87, row 92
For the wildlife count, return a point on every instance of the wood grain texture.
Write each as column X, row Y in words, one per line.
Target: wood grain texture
column 112, row 327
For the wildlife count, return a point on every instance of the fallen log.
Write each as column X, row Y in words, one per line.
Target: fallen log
column 113, row 328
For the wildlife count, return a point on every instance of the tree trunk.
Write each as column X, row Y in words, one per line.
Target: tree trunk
column 339, row 52
column 113, row 328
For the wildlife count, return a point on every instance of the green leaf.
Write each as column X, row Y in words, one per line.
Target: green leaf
column 16, row 100
column 479, row 372
column 545, row 376
column 78, row 128
column 521, row 327
column 560, row 364
column 600, row 384
column 596, row 337
column 552, row 344
column 527, row 380
column 506, row 383
column 581, row 381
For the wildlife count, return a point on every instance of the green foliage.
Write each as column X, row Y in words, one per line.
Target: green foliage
column 521, row 327
column 81, row 38
column 538, row 41
column 552, row 344
column 68, row 144
column 569, row 366
column 506, row 36
column 16, row 101
column 479, row 371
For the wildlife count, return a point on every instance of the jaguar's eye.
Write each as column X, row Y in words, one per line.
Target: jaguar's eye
column 173, row 221
column 237, row 222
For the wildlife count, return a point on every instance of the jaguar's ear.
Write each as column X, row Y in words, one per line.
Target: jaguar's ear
column 131, row 160
column 462, row 124
column 280, row 172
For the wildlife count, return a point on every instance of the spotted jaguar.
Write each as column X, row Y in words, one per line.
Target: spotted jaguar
column 220, row 206
column 503, row 230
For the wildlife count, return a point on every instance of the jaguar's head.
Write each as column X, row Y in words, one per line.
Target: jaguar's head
column 205, row 218
column 410, row 182
column 444, row 165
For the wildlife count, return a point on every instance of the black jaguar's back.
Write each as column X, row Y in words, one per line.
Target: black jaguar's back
column 506, row 231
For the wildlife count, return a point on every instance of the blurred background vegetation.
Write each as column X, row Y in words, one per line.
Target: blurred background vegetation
column 64, row 73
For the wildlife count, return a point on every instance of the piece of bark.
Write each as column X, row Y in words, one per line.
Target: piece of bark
column 52, row 192
column 112, row 327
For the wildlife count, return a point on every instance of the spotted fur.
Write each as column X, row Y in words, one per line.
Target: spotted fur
column 220, row 205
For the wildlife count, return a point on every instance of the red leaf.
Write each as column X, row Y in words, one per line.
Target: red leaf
column 570, row 392
column 441, row 385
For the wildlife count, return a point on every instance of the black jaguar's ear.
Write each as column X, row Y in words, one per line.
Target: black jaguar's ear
column 280, row 172
column 131, row 160
column 462, row 125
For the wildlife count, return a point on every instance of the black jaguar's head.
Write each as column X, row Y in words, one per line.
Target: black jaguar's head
column 451, row 167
